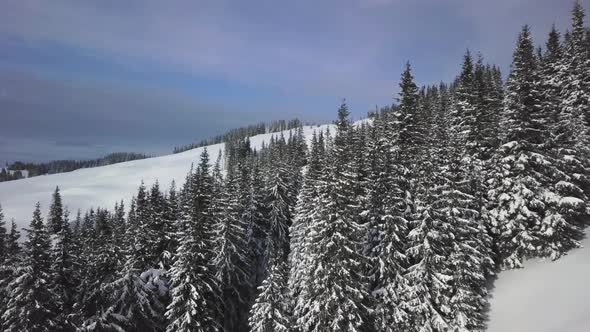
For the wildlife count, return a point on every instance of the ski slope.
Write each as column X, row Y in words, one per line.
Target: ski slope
column 106, row 185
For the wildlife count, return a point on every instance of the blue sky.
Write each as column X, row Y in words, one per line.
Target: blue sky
column 83, row 78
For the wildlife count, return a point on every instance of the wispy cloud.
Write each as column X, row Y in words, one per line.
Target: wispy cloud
column 266, row 59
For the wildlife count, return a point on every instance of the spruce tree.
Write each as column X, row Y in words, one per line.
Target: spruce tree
column 5, row 269
column 55, row 219
column 410, row 142
column 465, row 105
column 13, row 249
column 522, row 162
column 133, row 299
column 386, row 229
column 144, row 231
column 103, row 259
column 193, row 286
column 64, row 269
column 232, row 260
column 171, row 216
column 426, row 295
column 279, row 212
column 459, row 206
column 269, row 314
column 565, row 200
column 576, row 93
column 335, row 294
column 159, row 227
column 10, row 267
column 3, row 238
column 304, row 214
column 255, row 217
column 32, row 304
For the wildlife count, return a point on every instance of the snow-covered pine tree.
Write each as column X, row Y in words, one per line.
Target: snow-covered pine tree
column 360, row 166
column 133, row 300
column 5, row 270
column 119, row 222
column 458, row 208
column 193, row 286
column 54, row 220
column 255, row 217
column 159, row 227
column 576, row 93
column 232, row 262
column 9, row 267
column 13, row 249
column 143, row 232
column 65, row 274
column 565, row 200
column 304, row 210
column 102, row 259
column 523, row 162
column 487, row 111
column 410, row 141
column 386, row 229
column 217, row 175
column 32, row 303
column 269, row 312
column 426, row 296
column 77, row 225
column 279, row 211
column 494, row 97
column 465, row 99
column 552, row 73
column 3, row 238
column 171, row 216
column 335, row 292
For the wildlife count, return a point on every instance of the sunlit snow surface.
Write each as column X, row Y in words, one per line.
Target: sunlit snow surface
column 103, row 186
column 545, row 296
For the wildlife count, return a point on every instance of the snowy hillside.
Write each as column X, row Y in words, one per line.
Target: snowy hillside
column 544, row 296
column 85, row 188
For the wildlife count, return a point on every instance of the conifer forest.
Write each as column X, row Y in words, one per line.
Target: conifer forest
column 399, row 222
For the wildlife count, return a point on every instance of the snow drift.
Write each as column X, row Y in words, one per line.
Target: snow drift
column 545, row 296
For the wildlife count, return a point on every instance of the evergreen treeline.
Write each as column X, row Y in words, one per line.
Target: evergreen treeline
column 7, row 175
column 244, row 132
column 396, row 224
column 63, row 166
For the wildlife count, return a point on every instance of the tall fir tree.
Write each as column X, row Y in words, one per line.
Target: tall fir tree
column 5, row 269
column 304, row 215
column 269, row 312
column 65, row 273
column 426, row 295
column 232, row 260
column 279, row 212
column 3, row 238
column 32, row 303
column 55, row 218
column 523, row 163
column 193, row 286
column 335, row 294
column 386, row 229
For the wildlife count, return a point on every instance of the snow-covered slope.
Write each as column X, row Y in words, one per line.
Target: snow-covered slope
column 545, row 296
column 103, row 186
